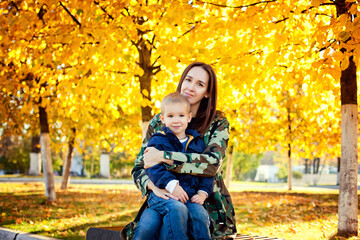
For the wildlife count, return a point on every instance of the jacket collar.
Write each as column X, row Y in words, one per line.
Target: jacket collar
column 190, row 132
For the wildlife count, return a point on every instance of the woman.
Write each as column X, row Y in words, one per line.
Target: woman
column 198, row 84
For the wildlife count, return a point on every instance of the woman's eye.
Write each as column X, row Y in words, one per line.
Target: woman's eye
column 188, row 79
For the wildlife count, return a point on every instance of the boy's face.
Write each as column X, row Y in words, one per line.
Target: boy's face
column 176, row 117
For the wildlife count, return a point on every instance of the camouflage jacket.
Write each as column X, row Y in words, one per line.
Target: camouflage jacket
column 218, row 204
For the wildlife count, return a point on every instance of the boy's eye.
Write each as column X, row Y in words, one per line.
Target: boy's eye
column 182, row 115
column 170, row 116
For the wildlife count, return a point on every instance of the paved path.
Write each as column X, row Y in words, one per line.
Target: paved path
column 9, row 234
column 72, row 180
column 242, row 185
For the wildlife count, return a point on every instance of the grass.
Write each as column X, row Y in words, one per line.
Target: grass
column 272, row 212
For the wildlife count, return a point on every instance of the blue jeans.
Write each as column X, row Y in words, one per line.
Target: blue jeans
column 149, row 225
column 179, row 220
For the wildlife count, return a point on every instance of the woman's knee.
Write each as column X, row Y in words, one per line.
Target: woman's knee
column 149, row 225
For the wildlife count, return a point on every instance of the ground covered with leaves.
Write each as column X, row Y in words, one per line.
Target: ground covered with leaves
column 279, row 214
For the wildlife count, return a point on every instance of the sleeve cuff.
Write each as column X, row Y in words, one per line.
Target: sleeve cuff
column 176, row 156
column 167, row 155
column 204, row 192
column 171, row 185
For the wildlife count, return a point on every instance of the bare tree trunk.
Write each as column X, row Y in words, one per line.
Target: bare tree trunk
column 105, row 164
column 144, row 48
column 67, row 162
column 35, row 157
column 338, row 171
column 145, row 84
column 46, row 156
column 289, row 169
column 289, row 152
column 229, row 165
column 92, row 167
column 348, row 198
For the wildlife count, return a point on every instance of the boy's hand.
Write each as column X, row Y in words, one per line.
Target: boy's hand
column 180, row 194
column 199, row 198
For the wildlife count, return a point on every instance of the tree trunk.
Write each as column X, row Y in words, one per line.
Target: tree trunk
column 229, row 165
column 145, row 81
column 289, row 169
column 338, row 172
column 105, row 165
column 35, row 157
column 92, row 167
column 145, row 84
column 46, row 156
column 348, row 198
column 67, row 162
column 289, row 152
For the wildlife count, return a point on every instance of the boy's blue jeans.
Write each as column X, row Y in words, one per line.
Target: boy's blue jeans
column 172, row 219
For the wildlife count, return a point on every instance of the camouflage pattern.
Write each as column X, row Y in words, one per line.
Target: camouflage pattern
column 218, row 204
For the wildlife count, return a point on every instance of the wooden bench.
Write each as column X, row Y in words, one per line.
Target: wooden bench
column 113, row 233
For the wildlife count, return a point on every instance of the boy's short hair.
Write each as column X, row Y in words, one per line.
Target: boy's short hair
column 174, row 98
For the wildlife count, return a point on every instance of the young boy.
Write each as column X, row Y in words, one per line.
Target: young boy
column 175, row 114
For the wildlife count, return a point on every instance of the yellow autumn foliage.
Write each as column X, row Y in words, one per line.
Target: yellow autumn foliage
column 274, row 60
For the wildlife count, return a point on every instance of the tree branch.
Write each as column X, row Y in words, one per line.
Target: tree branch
column 241, row 6
column 73, row 18
column 104, row 10
column 324, row 48
column 14, row 4
column 118, row 72
column 282, row 20
column 42, row 12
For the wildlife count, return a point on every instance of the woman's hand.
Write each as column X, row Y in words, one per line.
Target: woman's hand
column 180, row 193
column 162, row 193
column 152, row 156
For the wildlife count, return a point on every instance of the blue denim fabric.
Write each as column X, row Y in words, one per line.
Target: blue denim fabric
column 181, row 219
column 199, row 222
column 149, row 225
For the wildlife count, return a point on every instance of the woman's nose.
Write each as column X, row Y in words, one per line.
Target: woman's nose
column 190, row 86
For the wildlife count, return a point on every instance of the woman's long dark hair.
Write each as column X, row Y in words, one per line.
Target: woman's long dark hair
column 207, row 109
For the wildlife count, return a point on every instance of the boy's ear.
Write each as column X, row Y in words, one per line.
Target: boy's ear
column 190, row 116
column 161, row 118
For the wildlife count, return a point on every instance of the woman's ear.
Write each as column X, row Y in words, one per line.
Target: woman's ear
column 207, row 95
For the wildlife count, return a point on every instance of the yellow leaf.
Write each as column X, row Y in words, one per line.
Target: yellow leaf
column 344, row 64
column 344, row 36
column 316, row 3
column 145, row 92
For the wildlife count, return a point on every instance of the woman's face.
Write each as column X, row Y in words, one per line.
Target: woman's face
column 195, row 85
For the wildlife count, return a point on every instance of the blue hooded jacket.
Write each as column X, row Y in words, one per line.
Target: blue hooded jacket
column 167, row 141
